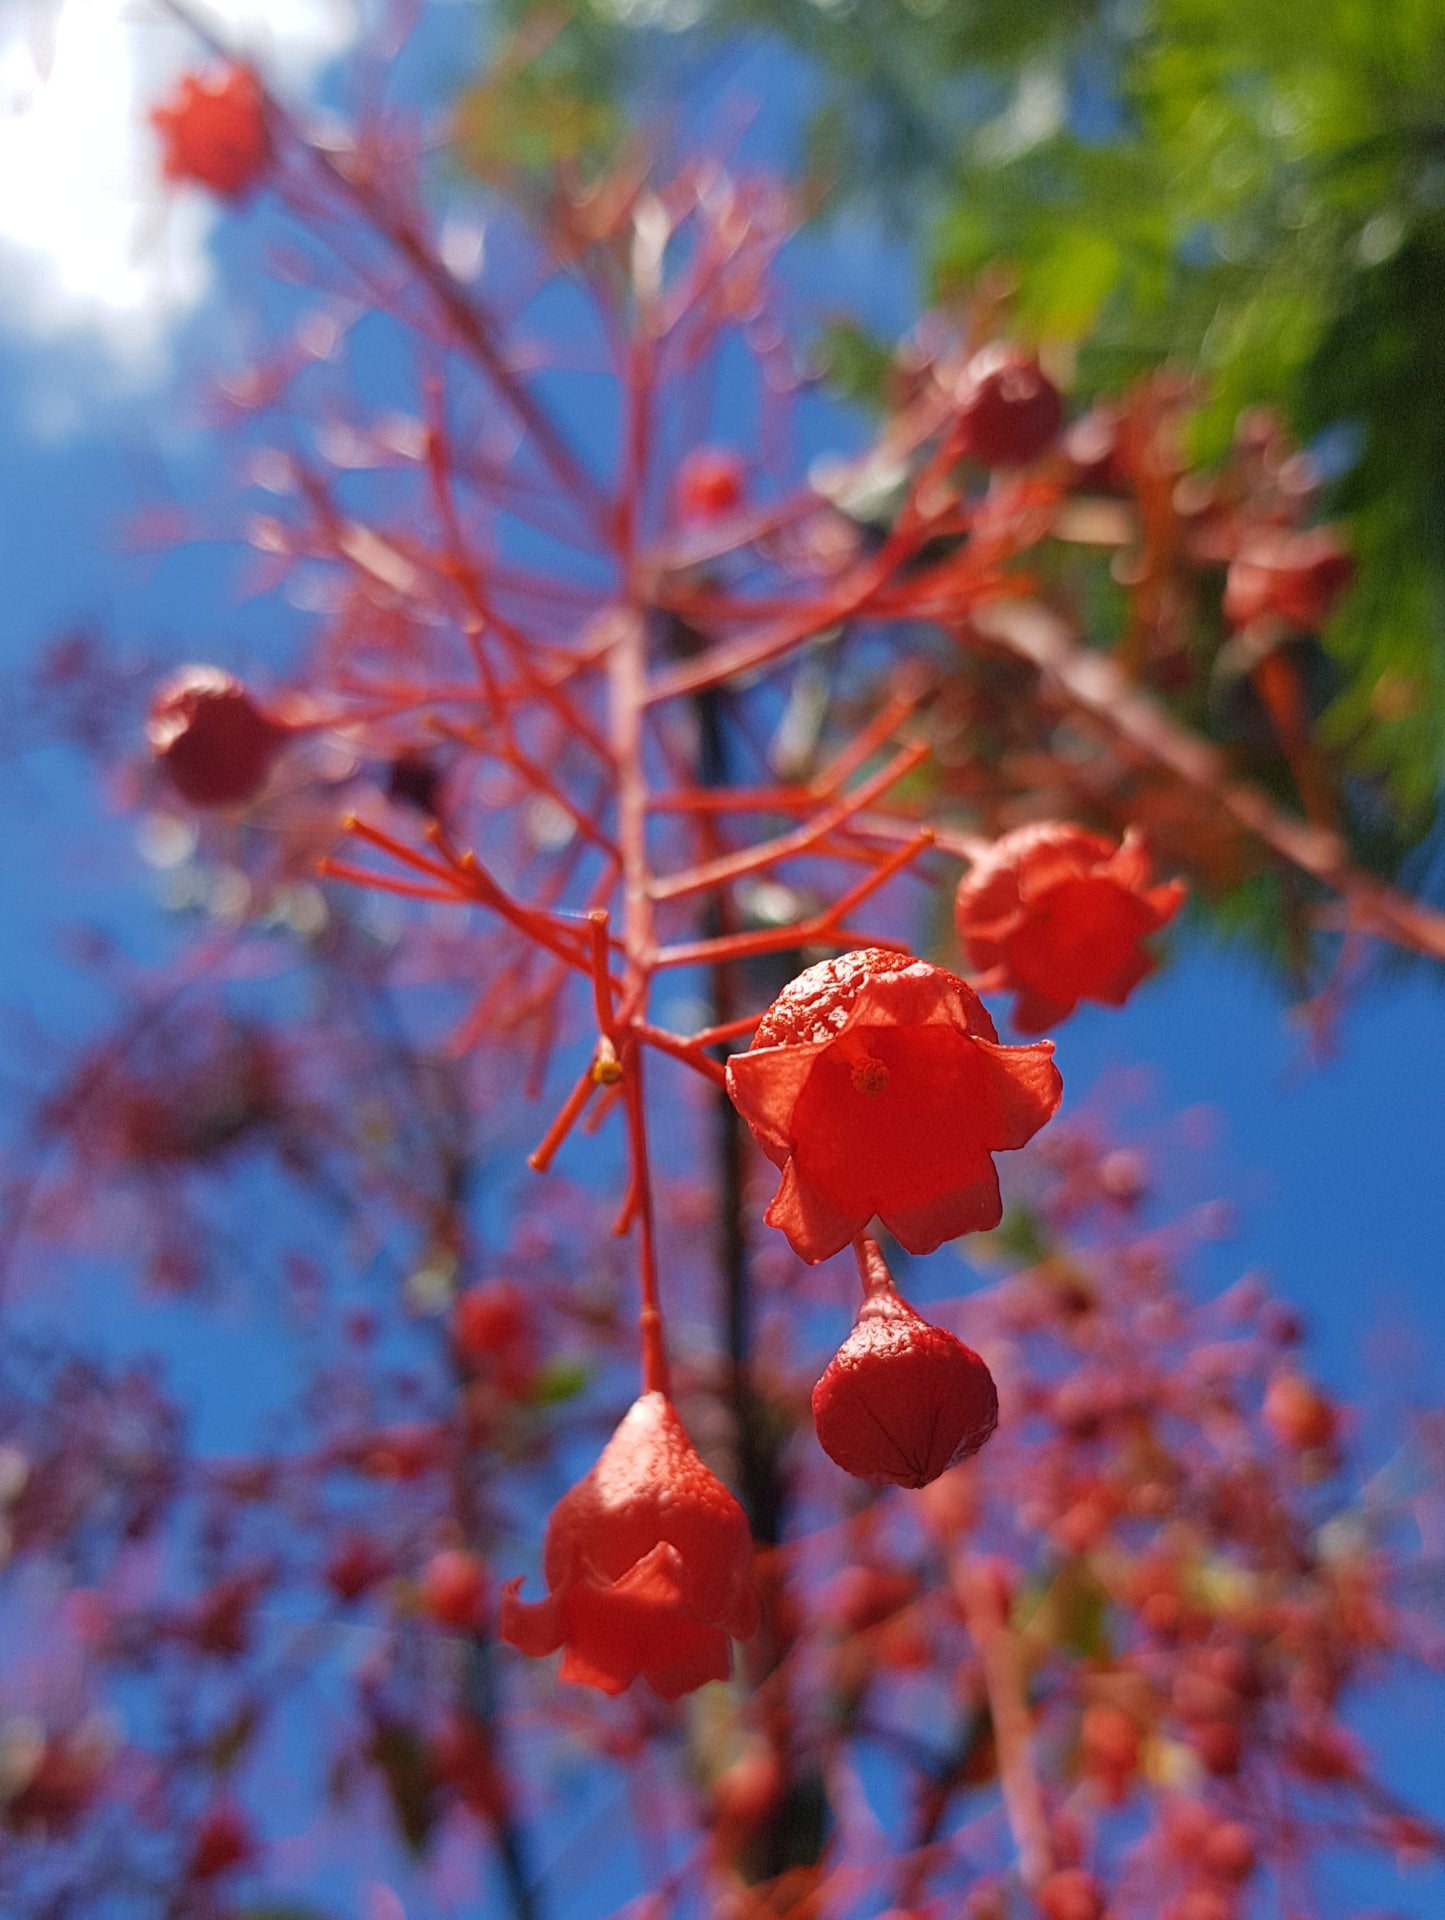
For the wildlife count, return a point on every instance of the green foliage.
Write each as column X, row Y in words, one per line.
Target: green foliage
column 1249, row 187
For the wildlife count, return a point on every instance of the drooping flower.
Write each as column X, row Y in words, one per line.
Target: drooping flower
column 213, row 131
column 1009, row 411
column 878, row 1085
column 901, row 1401
column 210, row 737
column 648, row 1561
column 1060, row 915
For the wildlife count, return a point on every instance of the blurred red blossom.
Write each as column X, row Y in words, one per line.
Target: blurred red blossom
column 213, row 131
column 1059, row 915
column 1009, row 411
column 211, row 738
column 1298, row 576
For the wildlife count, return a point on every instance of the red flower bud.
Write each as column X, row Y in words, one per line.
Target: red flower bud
column 648, row 1563
column 901, row 1401
column 877, row 1084
column 1008, row 408
column 1297, row 1414
column 357, row 1565
column 223, row 1842
column 1059, row 915
column 492, row 1332
column 210, row 738
column 709, row 484
column 213, row 132
column 454, row 1589
column 1071, row 1894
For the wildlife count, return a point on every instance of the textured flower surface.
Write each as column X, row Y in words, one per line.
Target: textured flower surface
column 901, row 1401
column 213, row 132
column 1060, row 915
column 648, row 1563
column 878, row 1085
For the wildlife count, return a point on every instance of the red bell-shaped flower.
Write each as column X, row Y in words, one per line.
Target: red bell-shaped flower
column 901, row 1401
column 877, row 1083
column 212, row 740
column 1009, row 411
column 1059, row 916
column 648, row 1563
column 213, row 132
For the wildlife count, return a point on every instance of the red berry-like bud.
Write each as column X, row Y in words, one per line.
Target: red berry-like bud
column 1229, row 1851
column 1008, row 408
column 454, row 1589
column 223, row 1842
column 1297, row 1414
column 1297, row 577
column 213, row 132
column 212, row 741
column 1220, row 1746
column 461, row 1758
column 709, row 484
column 1071, row 1894
column 357, row 1565
column 492, row 1332
column 1109, row 1741
column 901, row 1401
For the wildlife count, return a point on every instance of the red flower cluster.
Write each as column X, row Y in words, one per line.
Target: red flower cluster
column 1297, row 577
column 214, row 743
column 901, row 1401
column 648, row 1563
column 877, row 1083
column 1059, row 915
column 213, row 132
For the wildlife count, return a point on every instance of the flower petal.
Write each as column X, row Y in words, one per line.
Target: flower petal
column 973, row 1207
column 640, row 1625
column 816, row 1225
column 532, row 1627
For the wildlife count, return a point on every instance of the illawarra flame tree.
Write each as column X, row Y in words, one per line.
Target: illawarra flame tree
column 662, row 766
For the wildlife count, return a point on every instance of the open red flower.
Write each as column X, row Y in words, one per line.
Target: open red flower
column 648, row 1563
column 213, row 132
column 878, row 1085
column 901, row 1401
column 1059, row 916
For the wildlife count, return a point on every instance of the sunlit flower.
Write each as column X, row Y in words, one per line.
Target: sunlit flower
column 877, row 1083
column 1059, row 915
column 213, row 132
column 648, row 1563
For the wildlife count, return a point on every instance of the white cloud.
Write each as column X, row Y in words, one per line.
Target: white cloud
column 92, row 247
